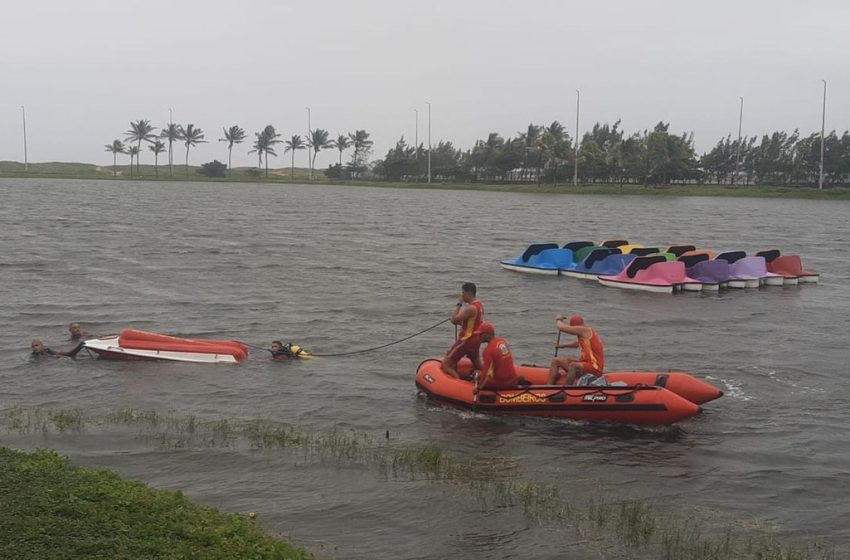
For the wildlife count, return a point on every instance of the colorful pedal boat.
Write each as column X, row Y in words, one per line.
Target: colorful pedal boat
column 790, row 267
column 714, row 274
column 541, row 258
column 653, row 273
column 600, row 261
column 748, row 272
column 629, row 404
column 133, row 344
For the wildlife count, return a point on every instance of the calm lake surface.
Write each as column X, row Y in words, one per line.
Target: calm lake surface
column 337, row 269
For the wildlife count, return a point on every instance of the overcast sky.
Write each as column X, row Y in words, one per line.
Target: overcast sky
column 85, row 68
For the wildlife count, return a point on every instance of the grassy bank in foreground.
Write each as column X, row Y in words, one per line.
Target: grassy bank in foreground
column 301, row 176
column 52, row 509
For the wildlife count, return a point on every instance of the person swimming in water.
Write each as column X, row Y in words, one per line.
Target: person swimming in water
column 282, row 352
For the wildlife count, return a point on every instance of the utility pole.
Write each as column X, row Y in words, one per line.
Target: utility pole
column 575, row 168
column 24, row 117
column 822, row 130
column 309, row 133
column 429, row 141
column 738, row 151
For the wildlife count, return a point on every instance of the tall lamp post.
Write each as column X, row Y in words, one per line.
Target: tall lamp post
column 428, row 103
column 309, row 132
column 24, row 117
column 575, row 168
column 822, row 130
column 738, row 151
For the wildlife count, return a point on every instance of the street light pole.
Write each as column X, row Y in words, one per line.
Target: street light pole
column 822, row 130
column 738, row 151
column 416, row 141
column 575, row 168
column 309, row 150
column 24, row 117
column 429, row 141
column 170, row 116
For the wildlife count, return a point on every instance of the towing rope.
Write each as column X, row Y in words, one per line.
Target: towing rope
column 382, row 345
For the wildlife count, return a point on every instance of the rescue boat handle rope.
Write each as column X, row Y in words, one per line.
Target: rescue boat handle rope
column 432, row 327
column 602, row 390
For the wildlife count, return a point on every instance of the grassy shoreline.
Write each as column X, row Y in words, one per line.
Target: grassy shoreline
column 282, row 176
column 53, row 509
column 636, row 528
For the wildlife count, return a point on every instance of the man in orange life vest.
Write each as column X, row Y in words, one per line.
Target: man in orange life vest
column 592, row 354
column 498, row 371
column 468, row 320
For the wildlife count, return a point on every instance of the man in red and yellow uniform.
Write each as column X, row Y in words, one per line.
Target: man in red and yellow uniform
column 592, row 353
column 498, row 371
column 468, row 320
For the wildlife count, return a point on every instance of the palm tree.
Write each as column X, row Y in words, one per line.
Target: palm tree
column 293, row 144
column 232, row 135
column 157, row 148
column 117, row 147
column 264, row 145
column 139, row 131
column 318, row 139
column 191, row 136
column 362, row 146
column 341, row 143
column 134, row 153
column 173, row 133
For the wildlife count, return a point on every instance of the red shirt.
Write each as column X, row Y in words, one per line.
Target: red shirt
column 468, row 326
column 499, row 372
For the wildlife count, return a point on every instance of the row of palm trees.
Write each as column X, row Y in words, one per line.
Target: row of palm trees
column 264, row 144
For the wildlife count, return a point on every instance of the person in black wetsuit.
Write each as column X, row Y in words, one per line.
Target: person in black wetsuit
column 39, row 350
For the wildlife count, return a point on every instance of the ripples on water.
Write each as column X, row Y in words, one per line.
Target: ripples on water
column 339, row 269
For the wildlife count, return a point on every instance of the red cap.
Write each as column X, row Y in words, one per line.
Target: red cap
column 576, row 320
column 485, row 327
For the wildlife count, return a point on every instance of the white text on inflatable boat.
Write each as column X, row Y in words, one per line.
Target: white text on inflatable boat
column 595, row 397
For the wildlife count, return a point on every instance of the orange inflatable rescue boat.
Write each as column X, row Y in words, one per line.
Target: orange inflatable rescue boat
column 634, row 397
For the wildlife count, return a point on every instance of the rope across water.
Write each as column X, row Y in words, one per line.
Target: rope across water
column 363, row 351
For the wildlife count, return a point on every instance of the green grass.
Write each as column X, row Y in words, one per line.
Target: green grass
column 282, row 175
column 653, row 530
column 53, row 509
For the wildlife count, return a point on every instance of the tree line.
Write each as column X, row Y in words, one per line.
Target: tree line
column 547, row 154
column 539, row 154
column 264, row 145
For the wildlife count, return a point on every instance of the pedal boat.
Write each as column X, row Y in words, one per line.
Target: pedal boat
column 133, row 344
column 714, row 274
column 540, row 258
column 749, row 272
column 654, row 273
column 607, row 261
column 632, row 403
column 790, row 267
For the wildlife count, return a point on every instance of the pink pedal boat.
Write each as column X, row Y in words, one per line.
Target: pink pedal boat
column 653, row 274
column 790, row 267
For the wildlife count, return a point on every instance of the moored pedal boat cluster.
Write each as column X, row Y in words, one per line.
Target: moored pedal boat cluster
column 620, row 264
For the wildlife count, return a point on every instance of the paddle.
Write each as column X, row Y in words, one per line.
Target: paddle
column 557, row 342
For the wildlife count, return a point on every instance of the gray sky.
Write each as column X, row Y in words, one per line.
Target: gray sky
column 85, row 68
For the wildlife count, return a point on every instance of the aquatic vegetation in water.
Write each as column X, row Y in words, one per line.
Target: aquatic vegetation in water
column 493, row 481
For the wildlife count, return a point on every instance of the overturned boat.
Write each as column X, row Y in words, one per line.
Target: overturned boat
column 628, row 401
column 134, row 344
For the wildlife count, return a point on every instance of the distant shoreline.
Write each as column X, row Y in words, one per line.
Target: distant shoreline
column 281, row 176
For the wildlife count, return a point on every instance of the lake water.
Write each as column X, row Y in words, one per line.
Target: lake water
column 337, row 269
